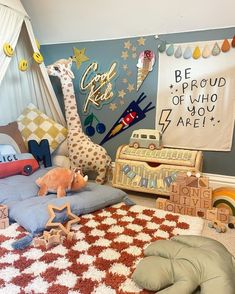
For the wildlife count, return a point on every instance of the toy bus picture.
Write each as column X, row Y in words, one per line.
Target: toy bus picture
column 13, row 164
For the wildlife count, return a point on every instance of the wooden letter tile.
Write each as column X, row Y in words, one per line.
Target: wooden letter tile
column 189, row 210
column 3, row 211
column 195, row 192
column 211, row 214
column 206, row 203
column 184, row 191
column 179, row 209
column 195, row 202
column 174, row 189
column 4, row 222
column 203, row 182
column 161, row 203
column 175, row 198
column 206, row 193
column 170, row 206
column 185, row 200
column 201, row 212
column 223, row 215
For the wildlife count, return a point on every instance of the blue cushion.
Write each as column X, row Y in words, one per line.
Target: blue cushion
column 19, row 193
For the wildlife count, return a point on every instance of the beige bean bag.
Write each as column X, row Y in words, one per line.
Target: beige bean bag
column 186, row 265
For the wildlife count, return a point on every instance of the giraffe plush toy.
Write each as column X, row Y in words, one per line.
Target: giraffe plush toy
column 83, row 153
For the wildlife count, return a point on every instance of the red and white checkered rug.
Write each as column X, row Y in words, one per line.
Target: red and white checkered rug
column 109, row 243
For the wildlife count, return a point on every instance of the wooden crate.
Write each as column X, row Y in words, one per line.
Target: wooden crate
column 152, row 171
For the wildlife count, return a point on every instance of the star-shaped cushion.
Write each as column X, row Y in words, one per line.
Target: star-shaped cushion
column 186, row 265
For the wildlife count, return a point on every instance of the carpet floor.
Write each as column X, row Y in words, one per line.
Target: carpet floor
column 109, row 243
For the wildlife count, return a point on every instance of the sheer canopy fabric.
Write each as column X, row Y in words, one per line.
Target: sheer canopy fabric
column 18, row 88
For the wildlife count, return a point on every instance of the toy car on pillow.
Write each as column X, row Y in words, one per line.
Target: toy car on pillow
column 13, row 164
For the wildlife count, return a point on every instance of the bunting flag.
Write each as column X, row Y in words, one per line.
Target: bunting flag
column 196, row 95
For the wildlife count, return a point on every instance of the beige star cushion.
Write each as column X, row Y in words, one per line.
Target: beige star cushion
column 36, row 125
column 186, row 265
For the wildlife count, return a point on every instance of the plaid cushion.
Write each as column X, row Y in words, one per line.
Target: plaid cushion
column 36, row 125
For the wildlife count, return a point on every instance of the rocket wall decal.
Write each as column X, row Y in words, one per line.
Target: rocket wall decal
column 131, row 115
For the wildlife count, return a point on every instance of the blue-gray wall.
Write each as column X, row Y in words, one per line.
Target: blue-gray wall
column 106, row 52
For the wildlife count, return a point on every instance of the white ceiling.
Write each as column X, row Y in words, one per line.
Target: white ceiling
column 61, row 21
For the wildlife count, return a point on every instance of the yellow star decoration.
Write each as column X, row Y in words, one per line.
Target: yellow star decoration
column 122, row 102
column 134, row 55
column 121, row 93
column 113, row 106
column 79, row 56
column 141, row 41
column 124, row 55
column 124, row 81
column 133, row 49
column 130, row 87
column 125, row 66
column 129, row 73
column 127, row 44
column 65, row 228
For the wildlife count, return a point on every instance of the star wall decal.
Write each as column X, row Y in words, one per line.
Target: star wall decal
column 129, row 73
column 134, row 55
column 124, row 55
column 127, row 44
column 125, row 67
column 141, row 41
column 122, row 101
column 121, row 93
column 79, row 56
column 133, row 49
column 130, row 87
column 113, row 106
column 73, row 219
column 125, row 81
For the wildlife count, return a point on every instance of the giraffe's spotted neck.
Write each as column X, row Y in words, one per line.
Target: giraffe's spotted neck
column 72, row 117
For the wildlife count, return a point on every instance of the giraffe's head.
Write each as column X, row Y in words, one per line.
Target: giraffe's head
column 61, row 68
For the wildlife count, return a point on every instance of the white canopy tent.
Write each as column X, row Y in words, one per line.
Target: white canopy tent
column 19, row 88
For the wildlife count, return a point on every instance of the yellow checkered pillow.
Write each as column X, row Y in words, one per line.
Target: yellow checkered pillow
column 36, row 125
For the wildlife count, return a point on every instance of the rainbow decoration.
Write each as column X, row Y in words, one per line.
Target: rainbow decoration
column 224, row 197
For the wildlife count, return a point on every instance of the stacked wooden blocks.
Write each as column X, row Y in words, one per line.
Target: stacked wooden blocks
column 4, row 220
column 191, row 195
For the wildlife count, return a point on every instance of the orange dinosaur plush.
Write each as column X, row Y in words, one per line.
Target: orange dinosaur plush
column 60, row 180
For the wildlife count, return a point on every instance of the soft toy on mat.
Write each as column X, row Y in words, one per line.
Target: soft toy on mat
column 186, row 265
column 60, row 180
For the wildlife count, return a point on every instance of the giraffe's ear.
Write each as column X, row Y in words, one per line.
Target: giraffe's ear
column 70, row 73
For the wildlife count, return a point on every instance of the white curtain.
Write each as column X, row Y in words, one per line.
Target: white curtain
column 17, row 88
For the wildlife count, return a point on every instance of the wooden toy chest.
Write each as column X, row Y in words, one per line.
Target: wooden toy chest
column 152, row 171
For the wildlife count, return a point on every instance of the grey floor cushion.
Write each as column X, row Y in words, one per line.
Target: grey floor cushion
column 19, row 193
column 186, row 265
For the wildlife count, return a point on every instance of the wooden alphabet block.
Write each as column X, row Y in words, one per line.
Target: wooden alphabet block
column 185, row 200
column 179, row 209
column 223, row 215
column 174, row 188
column 189, row 210
column 3, row 211
column 203, row 182
column 161, row 203
column 206, row 203
column 195, row 202
column 192, row 182
column 170, row 206
column 195, row 192
column 211, row 214
column 201, row 212
column 206, row 193
column 175, row 198
column 184, row 191
column 4, row 223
